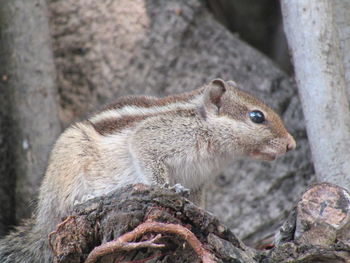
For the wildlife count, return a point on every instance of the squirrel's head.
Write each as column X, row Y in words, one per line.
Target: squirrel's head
column 246, row 125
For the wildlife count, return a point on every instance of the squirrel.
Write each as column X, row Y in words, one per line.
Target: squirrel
column 180, row 139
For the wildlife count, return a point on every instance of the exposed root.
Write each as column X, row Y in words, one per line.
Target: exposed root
column 144, row 259
column 120, row 244
column 123, row 242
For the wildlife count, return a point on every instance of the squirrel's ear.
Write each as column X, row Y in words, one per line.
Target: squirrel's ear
column 214, row 92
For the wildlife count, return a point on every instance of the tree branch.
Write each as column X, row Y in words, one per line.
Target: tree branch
column 319, row 71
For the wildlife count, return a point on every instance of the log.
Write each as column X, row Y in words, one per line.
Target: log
column 145, row 222
column 141, row 223
column 318, row 228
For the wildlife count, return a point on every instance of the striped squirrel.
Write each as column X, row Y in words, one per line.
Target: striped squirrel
column 183, row 139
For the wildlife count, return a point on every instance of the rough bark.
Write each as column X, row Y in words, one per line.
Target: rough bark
column 317, row 230
column 105, row 219
column 342, row 20
column 319, row 70
column 29, row 116
column 140, row 223
column 105, row 49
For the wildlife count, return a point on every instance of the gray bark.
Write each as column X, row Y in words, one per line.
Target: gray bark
column 28, row 104
column 342, row 20
column 315, row 46
column 105, row 49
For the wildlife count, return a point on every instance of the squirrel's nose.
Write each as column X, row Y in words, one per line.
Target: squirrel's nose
column 291, row 144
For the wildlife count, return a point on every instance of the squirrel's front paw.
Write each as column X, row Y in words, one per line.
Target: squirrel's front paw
column 179, row 189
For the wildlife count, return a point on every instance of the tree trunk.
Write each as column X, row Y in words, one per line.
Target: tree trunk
column 313, row 39
column 342, row 20
column 29, row 117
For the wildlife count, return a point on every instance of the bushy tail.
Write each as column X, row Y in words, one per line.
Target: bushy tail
column 25, row 245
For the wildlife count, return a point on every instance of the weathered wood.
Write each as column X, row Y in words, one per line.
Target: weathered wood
column 104, row 219
column 317, row 230
column 159, row 225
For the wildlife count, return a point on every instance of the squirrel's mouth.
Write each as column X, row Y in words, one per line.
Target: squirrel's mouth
column 264, row 156
column 274, row 149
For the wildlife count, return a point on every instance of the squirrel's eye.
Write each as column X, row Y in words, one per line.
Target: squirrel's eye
column 257, row 116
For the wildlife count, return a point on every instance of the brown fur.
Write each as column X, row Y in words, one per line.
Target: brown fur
column 147, row 102
column 109, row 126
column 239, row 111
column 114, row 125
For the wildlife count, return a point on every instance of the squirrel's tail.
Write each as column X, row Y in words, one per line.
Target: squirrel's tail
column 26, row 245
